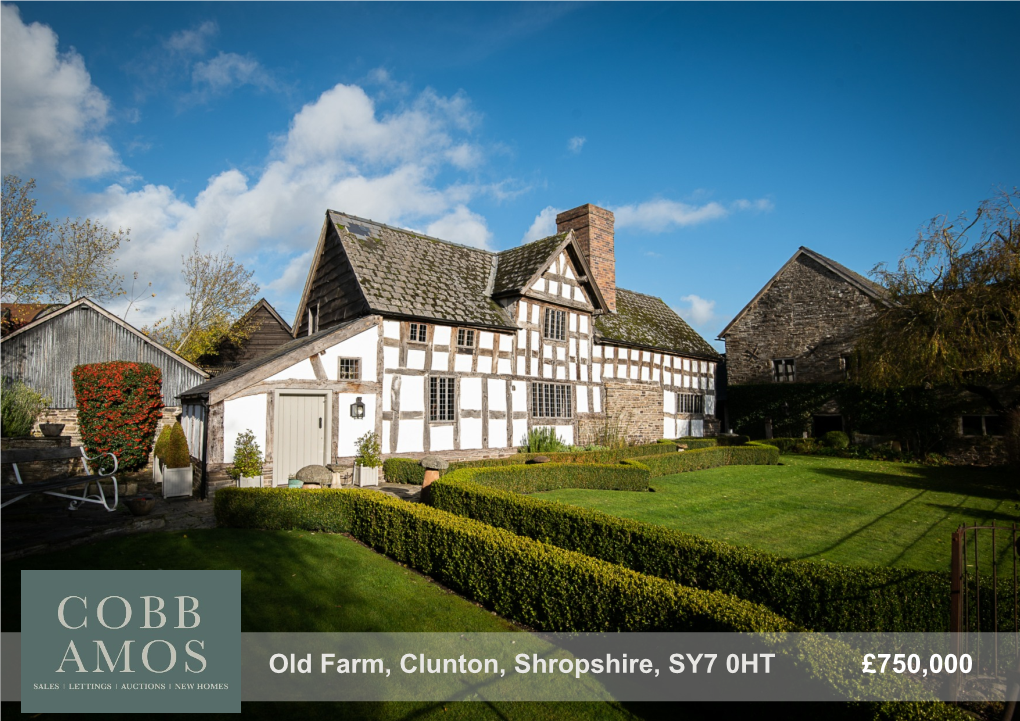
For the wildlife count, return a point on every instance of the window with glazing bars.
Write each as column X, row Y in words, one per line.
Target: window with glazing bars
column 555, row 324
column 550, row 400
column 465, row 338
column 419, row 332
column 349, row 370
column 783, row 370
column 690, row 403
column 441, row 392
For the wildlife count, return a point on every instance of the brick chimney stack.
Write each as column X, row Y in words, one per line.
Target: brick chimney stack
column 593, row 229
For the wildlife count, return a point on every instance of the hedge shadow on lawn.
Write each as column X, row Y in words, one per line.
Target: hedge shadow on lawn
column 994, row 483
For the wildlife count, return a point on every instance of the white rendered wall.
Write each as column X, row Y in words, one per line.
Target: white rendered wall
column 240, row 415
column 300, row 371
column 364, row 346
column 351, row 429
column 470, row 433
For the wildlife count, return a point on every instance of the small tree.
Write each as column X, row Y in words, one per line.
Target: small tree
column 81, row 260
column 159, row 450
column 953, row 311
column 177, row 453
column 119, row 407
column 25, row 234
column 368, row 451
column 247, row 457
column 220, row 292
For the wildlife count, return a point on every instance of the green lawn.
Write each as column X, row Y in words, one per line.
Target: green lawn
column 820, row 508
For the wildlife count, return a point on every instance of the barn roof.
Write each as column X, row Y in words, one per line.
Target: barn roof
column 869, row 288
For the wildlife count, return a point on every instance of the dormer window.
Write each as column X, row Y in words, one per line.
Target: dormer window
column 465, row 339
column 419, row 333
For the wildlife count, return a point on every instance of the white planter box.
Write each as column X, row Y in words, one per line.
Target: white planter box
column 176, row 482
column 366, row 476
column 249, row 482
column 157, row 470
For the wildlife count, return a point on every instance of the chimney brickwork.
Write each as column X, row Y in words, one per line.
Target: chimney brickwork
column 593, row 229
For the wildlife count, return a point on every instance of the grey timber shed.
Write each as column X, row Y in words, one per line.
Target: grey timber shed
column 43, row 353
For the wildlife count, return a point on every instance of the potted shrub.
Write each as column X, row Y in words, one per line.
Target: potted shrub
column 177, row 470
column 158, row 452
column 367, row 462
column 247, row 467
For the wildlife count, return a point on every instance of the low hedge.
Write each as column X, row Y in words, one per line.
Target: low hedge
column 584, row 457
column 403, row 470
column 628, row 475
column 534, row 583
column 753, row 454
column 537, row 584
column 822, row 597
column 697, row 443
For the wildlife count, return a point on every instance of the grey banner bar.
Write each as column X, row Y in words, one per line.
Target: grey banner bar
column 602, row 667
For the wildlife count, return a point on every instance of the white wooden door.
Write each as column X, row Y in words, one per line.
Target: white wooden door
column 300, row 434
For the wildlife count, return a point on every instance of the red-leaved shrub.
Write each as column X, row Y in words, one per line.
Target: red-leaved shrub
column 119, row 406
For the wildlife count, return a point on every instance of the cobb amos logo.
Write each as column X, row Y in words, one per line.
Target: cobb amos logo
column 115, row 613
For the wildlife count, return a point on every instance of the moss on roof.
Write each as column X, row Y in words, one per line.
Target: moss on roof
column 646, row 321
column 519, row 265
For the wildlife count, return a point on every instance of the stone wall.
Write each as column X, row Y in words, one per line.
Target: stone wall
column 637, row 407
column 69, row 417
column 809, row 314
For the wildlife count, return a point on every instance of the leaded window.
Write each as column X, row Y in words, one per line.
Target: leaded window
column 550, row 400
column 349, row 369
column 690, row 403
column 465, row 338
column 441, row 395
column 555, row 324
column 419, row 332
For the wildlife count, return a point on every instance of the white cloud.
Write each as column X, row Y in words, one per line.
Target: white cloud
column 230, row 70
column 339, row 152
column 699, row 311
column 575, row 144
column 661, row 215
column 194, row 41
column 544, row 225
column 52, row 114
column 461, row 226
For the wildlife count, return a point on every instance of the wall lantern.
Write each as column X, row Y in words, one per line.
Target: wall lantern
column 357, row 409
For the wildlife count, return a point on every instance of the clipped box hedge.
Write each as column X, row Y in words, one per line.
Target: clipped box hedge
column 696, row 443
column 822, row 597
column 534, row 583
column 403, row 470
column 628, row 475
column 538, row 584
column 711, row 457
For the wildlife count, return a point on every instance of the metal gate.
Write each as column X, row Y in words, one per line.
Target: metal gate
column 984, row 600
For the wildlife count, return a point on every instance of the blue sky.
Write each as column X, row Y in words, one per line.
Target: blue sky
column 723, row 135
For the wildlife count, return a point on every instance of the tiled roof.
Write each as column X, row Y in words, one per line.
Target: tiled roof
column 644, row 320
column 404, row 273
column 517, row 266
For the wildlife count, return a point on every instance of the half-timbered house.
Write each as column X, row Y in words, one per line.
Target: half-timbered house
column 445, row 349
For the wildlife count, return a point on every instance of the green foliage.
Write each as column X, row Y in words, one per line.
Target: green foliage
column 753, row 454
column 836, row 439
column 819, row 596
column 368, row 451
column 19, row 407
column 733, row 440
column 119, row 407
column 626, row 476
column 403, row 470
column 533, row 583
column 161, row 442
column 247, row 456
column 696, row 443
column 598, row 457
column 542, row 440
column 177, row 454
